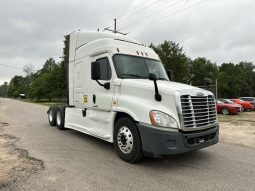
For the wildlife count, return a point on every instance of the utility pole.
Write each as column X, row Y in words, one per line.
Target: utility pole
column 216, row 92
column 115, row 25
column 115, row 28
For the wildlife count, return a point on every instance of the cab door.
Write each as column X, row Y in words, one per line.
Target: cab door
column 102, row 97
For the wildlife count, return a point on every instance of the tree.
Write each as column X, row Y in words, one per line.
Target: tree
column 246, row 72
column 28, row 69
column 174, row 58
column 49, row 66
column 42, row 87
column 50, row 82
column 202, row 68
column 17, row 86
column 3, row 89
column 236, row 80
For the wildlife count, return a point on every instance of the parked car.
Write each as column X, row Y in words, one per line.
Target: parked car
column 249, row 99
column 228, row 101
column 226, row 108
column 246, row 105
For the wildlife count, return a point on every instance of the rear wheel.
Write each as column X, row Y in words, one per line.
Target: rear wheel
column 127, row 141
column 52, row 112
column 225, row 111
column 60, row 118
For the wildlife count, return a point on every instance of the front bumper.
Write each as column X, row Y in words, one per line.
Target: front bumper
column 235, row 110
column 161, row 142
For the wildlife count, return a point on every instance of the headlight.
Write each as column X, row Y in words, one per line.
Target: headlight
column 163, row 120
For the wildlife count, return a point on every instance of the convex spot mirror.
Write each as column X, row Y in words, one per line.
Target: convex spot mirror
column 153, row 76
column 207, row 81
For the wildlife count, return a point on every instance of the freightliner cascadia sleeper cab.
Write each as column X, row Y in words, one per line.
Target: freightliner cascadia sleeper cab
column 119, row 91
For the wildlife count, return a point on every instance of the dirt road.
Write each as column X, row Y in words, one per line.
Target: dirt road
column 69, row 160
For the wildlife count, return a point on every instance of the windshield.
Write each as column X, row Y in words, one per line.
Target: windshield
column 219, row 102
column 138, row 67
column 229, row 101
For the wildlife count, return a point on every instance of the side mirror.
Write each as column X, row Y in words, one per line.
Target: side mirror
column 153, row 76
column 207, row 81
column 95, row 74
column 170, row 74
column 95, row 70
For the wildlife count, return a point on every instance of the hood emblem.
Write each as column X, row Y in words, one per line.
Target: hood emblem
column 200, row 94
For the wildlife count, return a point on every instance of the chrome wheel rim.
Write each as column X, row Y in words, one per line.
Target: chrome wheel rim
column 125, row 140
column 58, row 118
column 225, row 111
column 50, row 115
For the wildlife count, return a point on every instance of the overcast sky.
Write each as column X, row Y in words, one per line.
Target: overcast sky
column 32, row 30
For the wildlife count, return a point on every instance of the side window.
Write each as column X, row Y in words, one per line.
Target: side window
column 105, row 72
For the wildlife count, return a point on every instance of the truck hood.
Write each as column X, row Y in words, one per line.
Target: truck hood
column 165, row 87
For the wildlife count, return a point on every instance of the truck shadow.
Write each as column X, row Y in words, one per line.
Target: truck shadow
column 187, row 160
column 190, row 159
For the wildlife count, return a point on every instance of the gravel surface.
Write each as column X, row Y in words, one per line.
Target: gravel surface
column 238, row 129
column 75, row 161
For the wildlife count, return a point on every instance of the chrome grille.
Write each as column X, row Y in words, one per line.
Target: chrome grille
column 198, row 111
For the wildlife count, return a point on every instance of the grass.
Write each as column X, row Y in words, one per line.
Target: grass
column 45, row 102
column 237, row 118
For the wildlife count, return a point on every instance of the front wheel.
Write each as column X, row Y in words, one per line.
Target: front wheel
column 127, row 141
column 225, row 111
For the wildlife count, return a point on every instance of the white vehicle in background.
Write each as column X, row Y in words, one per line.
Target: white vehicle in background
column 119, row 91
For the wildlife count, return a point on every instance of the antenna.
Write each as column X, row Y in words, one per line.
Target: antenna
column 115, row 28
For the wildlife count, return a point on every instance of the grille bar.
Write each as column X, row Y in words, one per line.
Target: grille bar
column 198, row 111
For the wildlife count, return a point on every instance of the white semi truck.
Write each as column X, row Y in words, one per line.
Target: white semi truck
column 119, row 91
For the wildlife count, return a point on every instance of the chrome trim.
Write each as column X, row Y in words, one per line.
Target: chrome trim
column 197, row 112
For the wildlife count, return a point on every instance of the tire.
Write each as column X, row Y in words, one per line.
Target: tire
column 60, row 118
column 127, row 141
column 225, row 111
column 52, row 112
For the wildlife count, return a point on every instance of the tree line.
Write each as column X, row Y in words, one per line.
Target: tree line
column 234, row 79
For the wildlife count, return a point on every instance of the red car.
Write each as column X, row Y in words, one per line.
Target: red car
column 246, row 105
column 226, row 108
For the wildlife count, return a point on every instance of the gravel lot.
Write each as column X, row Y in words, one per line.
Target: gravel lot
column 238, row 129
column 36, row 156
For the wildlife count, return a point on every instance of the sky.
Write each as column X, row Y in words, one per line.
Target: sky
column 32, row 31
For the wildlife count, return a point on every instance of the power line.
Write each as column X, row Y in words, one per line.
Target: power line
column 111, row 23
column 154, row 13
column 108, row 25
column 13, row 67
column 182, row 10
column 141, row 8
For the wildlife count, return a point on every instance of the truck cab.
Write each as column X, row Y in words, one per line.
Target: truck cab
column 119, row 91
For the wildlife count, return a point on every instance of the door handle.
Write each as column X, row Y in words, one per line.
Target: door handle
column 94, row 98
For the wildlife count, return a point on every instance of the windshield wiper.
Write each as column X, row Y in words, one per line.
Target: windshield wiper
column 132, row 75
